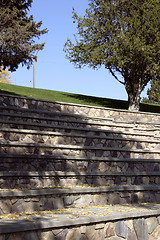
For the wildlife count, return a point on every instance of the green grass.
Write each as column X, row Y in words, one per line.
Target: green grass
column 72, row 98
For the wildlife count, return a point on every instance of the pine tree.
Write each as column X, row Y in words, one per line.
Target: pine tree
column 17, row 34
column 123, row 36
column 153, row 92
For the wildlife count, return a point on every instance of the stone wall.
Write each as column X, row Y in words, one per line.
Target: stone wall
column 120, row 115
column 131, row 229
column 46, row 201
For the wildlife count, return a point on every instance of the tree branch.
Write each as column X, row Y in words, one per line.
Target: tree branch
column 115, row 76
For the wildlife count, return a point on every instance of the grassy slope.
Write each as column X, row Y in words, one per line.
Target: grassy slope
column 72, row 98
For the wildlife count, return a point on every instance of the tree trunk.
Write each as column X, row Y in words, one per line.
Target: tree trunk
column 133, row 97
column 133, row 102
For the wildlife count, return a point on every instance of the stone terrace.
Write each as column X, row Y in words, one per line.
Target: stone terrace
column 77, row 172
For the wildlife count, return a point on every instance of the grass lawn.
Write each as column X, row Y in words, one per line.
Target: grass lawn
column 72, row 98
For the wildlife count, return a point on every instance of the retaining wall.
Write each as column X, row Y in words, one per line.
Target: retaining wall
column 117, row 114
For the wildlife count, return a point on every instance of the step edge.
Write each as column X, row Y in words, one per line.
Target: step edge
column 50, row 223
column 76, row 190
column 54, row 133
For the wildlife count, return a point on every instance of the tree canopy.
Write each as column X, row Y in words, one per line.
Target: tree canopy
column 122, row 35
column 18, row 31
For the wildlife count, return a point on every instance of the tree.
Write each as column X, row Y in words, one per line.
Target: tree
column 122, row 35
column 153, row 92
column 4, row 75
column 17, row 34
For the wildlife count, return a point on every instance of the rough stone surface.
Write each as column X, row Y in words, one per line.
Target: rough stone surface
column 114, row 198
column 79, row 119
column 99, row 226
column 73, row 234
column 131, row 235
column 31, row 236
column 68, row 200
column 121, row 229
column 152, row 223
column 141, row 229
column 83, row 229
column 91, row 233
column 61, row 235
column 16, row 236
column 57, row 231
column 58, row 203
column 116, row 238
column 109, row 229
column 83, row 237
column 46, row 235
column 155, row 234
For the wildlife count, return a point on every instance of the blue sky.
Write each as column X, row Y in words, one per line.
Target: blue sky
column 53, row 70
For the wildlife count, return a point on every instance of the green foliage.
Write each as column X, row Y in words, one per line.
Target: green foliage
column 17, row 34
column 4, row 76
column 122, row 35
column 153, row 92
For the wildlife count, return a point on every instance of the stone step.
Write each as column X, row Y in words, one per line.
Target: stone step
column 66, row 174
column 74, row 156
column 40, row 116
column 47, row 199
column 108, row 222
column 61, row 121
column 75, row 150
column 14, row 162
column 41, row 179
column 104, row 140
column 23, row 113
column 75, row 130
column 65, row 125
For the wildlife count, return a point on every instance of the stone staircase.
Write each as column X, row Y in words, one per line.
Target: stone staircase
column 59, row 156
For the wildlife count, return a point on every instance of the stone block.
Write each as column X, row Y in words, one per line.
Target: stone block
column 17, row 236
column 129, row 224
column 58, row 203
column 99, row 226
column 83, row 237
column 155, row 234
column 100, row 234
column 5, row 206
column 73, row 234
column 131, row 235
column 46, row 235
column 121, row 229
column 68, row 200
column 116, row 238
column 113, row 198
column 83, row 229
column 57, row 231
column 100, row 181
column 48, row 204
column 30, row 206
column 124, row 200
column 61, row 235
column 152, row 223
column 31, row 235
column 140, row 228
column 109, row 229
column 134, row 198
column 91, row 234
column 84, row 201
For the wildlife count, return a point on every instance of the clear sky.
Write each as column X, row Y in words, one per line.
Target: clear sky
column 53, row 70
